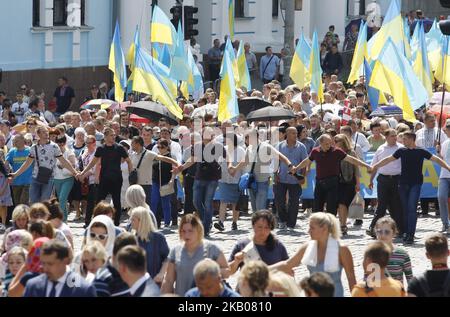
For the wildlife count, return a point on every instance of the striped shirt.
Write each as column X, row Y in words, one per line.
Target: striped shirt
column 399, row 264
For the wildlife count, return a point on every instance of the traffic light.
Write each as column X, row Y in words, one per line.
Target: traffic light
column 177, row 15
column 190, row 22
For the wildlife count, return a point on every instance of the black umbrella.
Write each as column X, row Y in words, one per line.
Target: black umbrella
column 247, row 105
column 153, row 111
column 270, row 114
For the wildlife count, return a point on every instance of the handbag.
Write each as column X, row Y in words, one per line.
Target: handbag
column 247, row 180
column 44, row 173
column 167, row 189
column 133, row 177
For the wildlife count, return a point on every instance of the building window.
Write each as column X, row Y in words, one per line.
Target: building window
column 275, row 6
column 59, row 12
column 239, row 8
column 83, row 12
column 36, row 13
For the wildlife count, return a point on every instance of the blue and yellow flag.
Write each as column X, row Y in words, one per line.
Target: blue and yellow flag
column 194, row 83
column 443, row 72
column 117, row 66
column 299, row 72
column 131, row 55
column 231, row 18
column 315, row 69
column 372, row 93
column 147, row 80
column 360, row 53
column 244, row 74
column 434, row 41
column 162, row 30
column 394, row 75
column 179, row 69
column 420, row 59
column 228, row 106
column 229, row 50
column 392, row 28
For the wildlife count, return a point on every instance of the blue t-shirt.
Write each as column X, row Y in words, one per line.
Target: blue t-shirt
column 16, row 158
column 296, row 155
column 194, row 292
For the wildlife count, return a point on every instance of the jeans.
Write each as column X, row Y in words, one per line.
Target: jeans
column 409, row 196
column 203, row 197
column 188, row 183
column 443, row 190
column 148, row 194
column 326, row 191
column 40, row 192
column 289, row 215
column 114, row 188
column 388, row 198
column 63, row 188
column 258, row 197
column 165, row 202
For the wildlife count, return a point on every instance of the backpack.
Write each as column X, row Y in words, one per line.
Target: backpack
column 443, row 292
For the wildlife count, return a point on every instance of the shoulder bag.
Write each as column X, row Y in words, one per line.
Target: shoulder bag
column 44, row 173
column 133, row 177
column 167, row 189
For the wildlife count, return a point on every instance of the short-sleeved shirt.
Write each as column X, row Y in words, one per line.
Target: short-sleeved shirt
column 412, row 163
column 272, row 256
column 208, row 167
column 48, row 155
column 388, row 288
column 328, row 164
column 214, row 52
column 111, row 159
column 146, row 168
column 263, row 156
column 63, row 97
column 184, row 264
column 435, row 280
column 296, row 155
column 16, row 158
column 226, row 292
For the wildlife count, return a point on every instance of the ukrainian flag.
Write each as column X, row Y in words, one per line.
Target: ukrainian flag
column 420, row 59
column 147, row 79
column 372, row 93
column 244, row 75
column 394, row 75
column 179, row 69
column 299, row 72
column 162, row 30
column 195, row 80
column 231, row 17
column 229, row 50
column 434, row 41
column 393, row 28
column 131, row 56
column 360, row 53
column 443, row 73
column 315, row 69
column 117, row 65
column 228, row 106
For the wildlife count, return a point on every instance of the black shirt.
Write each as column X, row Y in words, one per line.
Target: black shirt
column 111, row 159
column 412, row 163
column 63, row 101
column 208, row 168
column 166, row 173
column 435, row 280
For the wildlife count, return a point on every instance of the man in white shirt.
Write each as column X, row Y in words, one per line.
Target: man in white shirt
column 387, row 183
column 358, row 137
column 175, row 147
column 20, row 107
column 132, row 267
column 444, row 181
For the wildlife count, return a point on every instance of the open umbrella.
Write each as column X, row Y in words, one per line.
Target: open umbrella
column 327, row 106
column 210, row 108
column 98, row 104
column 152, row 110
column 386, row 111
column 436, row 110
column 270, row 114
column 436, row 99
column 247, row 105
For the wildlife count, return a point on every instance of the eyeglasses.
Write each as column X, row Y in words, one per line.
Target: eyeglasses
column 382, row 232
column 101, row 237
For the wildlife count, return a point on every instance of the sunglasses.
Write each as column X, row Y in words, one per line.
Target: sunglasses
column 98, row 236
column 381, row 232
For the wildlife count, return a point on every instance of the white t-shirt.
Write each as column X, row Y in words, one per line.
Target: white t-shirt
column 175, row 151
column 48, row 156
column 445, row 153
column 62, row 172
column 145, row 171
column 263, row 166
column 19, row 110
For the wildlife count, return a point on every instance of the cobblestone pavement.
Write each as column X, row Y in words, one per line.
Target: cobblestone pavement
column 356, row 240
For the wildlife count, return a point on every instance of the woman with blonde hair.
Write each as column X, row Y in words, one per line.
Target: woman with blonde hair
column 348, row 181
column 184, row 256
column 282, row 285
column 254, row 279
column 153, row 242
column 93, row 257
column 324, row 253
column 135, row 197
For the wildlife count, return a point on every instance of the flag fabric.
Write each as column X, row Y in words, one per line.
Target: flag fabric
column 162, row 30
column 229, row 50
column 231, row 18
column 392, row 28
column 346, row 115
column 299, row 72
column 420, row 62
column 179, row 69
column 372, row 93
column 359, row 54
column 162, row 53
column 315, row 69
column 117, row 65
column 195, row 81
column 434, row 40
column 443, row 72
column 244, row 74
column 394, row 75
column 147, row 79
column 228, row 106
column 131, row 55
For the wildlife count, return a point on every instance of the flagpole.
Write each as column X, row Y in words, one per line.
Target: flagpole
column 444, row 62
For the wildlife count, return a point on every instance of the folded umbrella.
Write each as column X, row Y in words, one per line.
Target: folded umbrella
column 271, row 113
column 152, row 110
